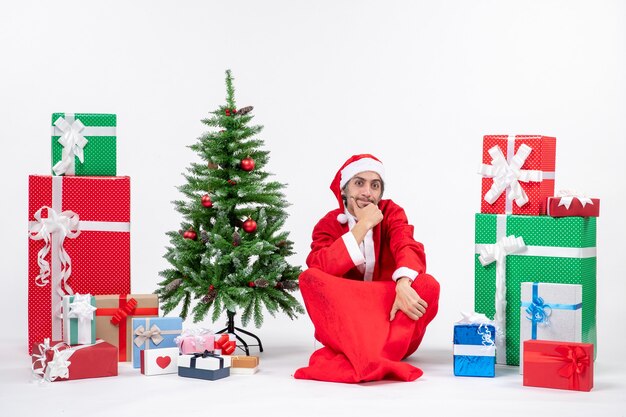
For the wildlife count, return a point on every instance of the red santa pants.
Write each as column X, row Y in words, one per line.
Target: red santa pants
column 351, row 320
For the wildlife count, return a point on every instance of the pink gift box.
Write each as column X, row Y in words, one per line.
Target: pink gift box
column 189, row 343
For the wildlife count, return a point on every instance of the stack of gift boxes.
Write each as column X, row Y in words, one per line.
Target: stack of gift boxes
column 82, row 318
column 535, row 268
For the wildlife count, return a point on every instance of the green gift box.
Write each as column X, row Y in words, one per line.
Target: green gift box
column 84, row 144
column 514, row 249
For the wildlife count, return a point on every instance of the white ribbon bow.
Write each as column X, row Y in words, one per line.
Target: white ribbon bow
column 567, row 196
column 153, row 334
column 508, row 175
column 64, row 225
column 73, row 143
column 58, row 367
column 81, row 308
column 497, row 253
column 473, row 318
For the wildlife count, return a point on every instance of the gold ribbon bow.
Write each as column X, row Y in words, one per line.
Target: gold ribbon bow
column 154, row 334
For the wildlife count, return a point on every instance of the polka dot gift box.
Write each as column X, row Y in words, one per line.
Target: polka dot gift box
column 84, row 144
column 79, row 242
column 518, row 174
column 514, row 249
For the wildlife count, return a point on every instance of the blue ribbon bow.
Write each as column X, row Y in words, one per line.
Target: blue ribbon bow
column 538, row 311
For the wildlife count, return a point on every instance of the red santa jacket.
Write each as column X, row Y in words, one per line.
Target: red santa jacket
column 332, row 250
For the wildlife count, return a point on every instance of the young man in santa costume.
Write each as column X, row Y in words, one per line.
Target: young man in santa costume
column 377, row 316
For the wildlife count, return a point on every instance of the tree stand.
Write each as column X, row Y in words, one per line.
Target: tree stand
column 230, row 328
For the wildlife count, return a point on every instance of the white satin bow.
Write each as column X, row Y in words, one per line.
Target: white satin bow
column 473, row 318
column 81, row 308
column 508, row 175
column 567, row 196
column 497, row 253
column 64, row 225
column 58, row 367
column 73, row 143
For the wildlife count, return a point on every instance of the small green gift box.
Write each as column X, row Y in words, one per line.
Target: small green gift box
column 514, row 249
column 84, row 144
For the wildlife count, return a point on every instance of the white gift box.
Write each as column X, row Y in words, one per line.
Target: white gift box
column 209, row 363
column 550, row 312
column 159, row 361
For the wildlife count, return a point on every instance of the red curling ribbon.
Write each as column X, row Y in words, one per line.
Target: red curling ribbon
column 225, row 344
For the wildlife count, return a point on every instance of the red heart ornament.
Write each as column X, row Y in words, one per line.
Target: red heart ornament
column 163, row 361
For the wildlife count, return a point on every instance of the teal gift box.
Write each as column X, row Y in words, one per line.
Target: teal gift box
column 79, row 319
column 154, row 333
column 513, row 249
column 84, row 144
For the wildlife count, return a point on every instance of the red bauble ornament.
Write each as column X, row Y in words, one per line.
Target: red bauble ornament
column 190, row 234
column 251, row 284
column 227, row 112
column 234, row 111
column 206, row 201
column 211, row 287
column 247, row 164
column 249, row 226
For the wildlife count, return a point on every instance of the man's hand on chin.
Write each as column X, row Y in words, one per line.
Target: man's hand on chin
column 369, row 214
column 407, row 300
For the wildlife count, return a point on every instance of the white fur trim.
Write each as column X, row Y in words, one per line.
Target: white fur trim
column 362, row 165
column 404, row 272
column 342, row 218
column 370, row 255
column 366, row 250
column 353, row 249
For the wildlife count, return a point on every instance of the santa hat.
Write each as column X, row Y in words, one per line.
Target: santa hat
column 354, row 165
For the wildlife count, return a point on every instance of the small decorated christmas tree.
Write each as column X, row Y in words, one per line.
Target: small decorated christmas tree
column 230, row 254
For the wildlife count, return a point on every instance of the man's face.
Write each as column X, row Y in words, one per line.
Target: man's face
column 363, row 189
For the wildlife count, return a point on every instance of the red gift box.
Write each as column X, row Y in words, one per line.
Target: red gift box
column 573, row 206
column 79, row 243
column 555, row 364
column 517, row 180
column 63, row 362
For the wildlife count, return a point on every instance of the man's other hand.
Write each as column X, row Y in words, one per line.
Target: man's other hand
column 407, row 300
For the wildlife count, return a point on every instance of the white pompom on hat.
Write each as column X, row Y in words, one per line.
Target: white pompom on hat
column 354, row 165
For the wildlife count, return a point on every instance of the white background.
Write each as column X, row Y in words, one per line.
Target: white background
column 415, row 83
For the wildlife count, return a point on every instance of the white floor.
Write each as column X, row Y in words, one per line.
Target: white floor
column 273, row 391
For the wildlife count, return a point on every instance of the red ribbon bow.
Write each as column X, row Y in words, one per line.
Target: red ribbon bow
column 576, row 362
column 122, row 313
column 228, row 346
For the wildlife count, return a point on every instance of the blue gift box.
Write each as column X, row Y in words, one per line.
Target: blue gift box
column 154, row 333
column 474, row 350
column 205, row 365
